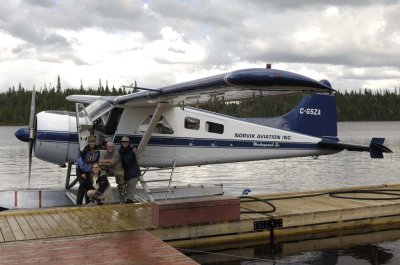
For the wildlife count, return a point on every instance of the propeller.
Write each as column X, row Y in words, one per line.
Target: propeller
column 31, row 131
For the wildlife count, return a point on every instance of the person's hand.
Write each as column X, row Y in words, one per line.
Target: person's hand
column 84, row 175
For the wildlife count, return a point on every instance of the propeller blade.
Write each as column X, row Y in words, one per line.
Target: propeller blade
column 30, row 162
column 31, row 132
column 33, row 106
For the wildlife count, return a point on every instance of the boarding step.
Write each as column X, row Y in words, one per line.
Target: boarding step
column 159, row 191
column 71, row 172
column 157, row 180
column 149, row 190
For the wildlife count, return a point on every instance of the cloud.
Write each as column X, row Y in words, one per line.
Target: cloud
column 351, row 43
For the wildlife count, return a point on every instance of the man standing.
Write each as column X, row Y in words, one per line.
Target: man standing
column 111, row 159
column 132, row 170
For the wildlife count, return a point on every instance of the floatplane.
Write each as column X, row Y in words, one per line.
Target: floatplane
column 170, row 131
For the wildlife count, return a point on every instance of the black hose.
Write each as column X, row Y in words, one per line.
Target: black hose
column 395, row 193
column 389, row 192
column 257, row 199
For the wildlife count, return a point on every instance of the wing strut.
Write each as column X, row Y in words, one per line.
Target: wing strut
column 152, row 125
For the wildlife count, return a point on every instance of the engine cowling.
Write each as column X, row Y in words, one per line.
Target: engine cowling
column 56, row 138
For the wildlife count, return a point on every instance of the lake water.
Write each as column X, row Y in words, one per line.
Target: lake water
column 345, row 169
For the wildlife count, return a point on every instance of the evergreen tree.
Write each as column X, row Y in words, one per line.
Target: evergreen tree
column 58, row 84
column 360, row 105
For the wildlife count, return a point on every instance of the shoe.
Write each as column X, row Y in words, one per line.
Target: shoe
column 91, row 204
column 129, row 201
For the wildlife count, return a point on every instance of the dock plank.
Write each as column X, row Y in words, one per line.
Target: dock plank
column 113, row 220
column 39, row 233
column 49, row 232
column 6, row 230
column 59, row 230
column 62, row 223
column 76, row 228
column 26, row 229
column 85, row 225
column 91, row 218
column 16, row 229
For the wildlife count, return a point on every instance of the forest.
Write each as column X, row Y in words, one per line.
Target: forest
column 361, row 105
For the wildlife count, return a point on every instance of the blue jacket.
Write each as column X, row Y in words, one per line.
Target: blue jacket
column 87, row 158
column 129, row 163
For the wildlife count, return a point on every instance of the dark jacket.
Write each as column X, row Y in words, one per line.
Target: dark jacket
column 102, row 181
column 129, row 163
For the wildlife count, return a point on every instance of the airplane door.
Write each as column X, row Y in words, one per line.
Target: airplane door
column 87, row 117
column 83, row 124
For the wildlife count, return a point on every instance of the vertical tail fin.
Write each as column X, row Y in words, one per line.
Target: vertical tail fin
column 314, row 115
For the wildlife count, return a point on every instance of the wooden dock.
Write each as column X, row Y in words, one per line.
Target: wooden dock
column 296, row 214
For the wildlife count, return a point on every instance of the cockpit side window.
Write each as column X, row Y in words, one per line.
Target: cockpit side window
column 213, row 127
column 192, row 123
column 162, row 127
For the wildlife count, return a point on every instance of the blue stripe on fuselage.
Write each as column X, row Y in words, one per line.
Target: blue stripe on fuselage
column 66, row 137
column 207, row 142
column 57, row 136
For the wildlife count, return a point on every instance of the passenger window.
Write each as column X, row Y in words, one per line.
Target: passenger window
column 214, row 127
column 192, row 123
column 162, row 126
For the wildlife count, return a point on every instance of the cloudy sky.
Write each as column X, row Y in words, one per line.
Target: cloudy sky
column 354, row 44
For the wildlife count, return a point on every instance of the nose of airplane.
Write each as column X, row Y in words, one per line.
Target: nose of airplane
column 22, row 134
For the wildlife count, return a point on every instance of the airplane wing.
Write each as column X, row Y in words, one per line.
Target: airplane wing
column 87, row 99
column 232, row 86
column 235, row 85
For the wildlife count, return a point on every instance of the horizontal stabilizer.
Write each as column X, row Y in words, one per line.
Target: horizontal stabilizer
column 375, row 148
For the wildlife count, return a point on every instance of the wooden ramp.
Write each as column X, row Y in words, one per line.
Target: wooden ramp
column 296, row 213
column 137, row 247
column 84, row 235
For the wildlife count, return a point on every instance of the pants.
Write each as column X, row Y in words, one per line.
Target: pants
column 131, row 188
column 119, row 179
column 84, row 186
column 106, row 196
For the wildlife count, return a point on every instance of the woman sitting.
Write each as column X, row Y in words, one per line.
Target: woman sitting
column 100, row 192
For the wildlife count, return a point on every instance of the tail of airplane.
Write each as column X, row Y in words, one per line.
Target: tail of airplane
column 314, row 115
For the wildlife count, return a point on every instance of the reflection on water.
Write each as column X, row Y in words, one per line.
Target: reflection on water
column 345, row 169
column 349, row 247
